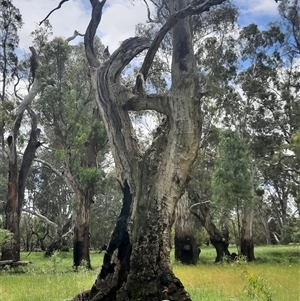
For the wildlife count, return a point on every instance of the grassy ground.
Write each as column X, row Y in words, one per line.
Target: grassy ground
column 275, row 276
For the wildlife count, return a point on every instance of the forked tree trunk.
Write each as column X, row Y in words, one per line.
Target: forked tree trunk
column 217, row 238
column 137, row 263
column 186, row 248
column 247, row 245
column 55, row 244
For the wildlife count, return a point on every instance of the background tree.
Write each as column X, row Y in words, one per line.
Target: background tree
column 186, row 246
column 232, row 185
column 10, row 23
column 79, row 144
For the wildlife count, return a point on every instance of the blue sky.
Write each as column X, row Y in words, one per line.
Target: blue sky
column 260, row 12
column 119, row 18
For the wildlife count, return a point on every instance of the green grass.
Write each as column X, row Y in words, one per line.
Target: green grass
column 276, row 274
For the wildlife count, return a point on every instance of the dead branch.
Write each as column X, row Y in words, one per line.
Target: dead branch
column 58, row 7
column 76, row 33
column 44, row 218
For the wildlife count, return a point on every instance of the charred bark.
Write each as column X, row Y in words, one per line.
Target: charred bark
column 186, row 249
column 247, row 249
column 137, row 263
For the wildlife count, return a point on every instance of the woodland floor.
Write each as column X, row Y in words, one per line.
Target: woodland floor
column 274, row 276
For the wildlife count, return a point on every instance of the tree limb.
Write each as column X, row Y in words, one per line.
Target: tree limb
column 76, row 33
column 34, row 89
column 197, row 7
column 91, row 31
column 157, row 102
column 44, row 218
column 58, row 7
column 56, row 171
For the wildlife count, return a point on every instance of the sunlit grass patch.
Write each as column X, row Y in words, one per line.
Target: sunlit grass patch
column 44, row 287
column 277, row 271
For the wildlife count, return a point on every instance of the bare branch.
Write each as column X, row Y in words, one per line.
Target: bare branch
column 50, row 166
column 58, row 7
column 148, row 12
column 44, row 218
column 76, row 33
column 91, row 31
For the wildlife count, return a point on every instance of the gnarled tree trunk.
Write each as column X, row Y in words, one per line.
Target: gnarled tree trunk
column 137, row 265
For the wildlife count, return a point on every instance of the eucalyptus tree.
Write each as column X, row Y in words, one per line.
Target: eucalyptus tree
column 210, row 214
column 75, row 132
column 137, row 262
column 10, row 22
column 186, row 246
column 50, row 200
column 269, row 86
column 232, row 185
column 105, row 211
column 17, row 177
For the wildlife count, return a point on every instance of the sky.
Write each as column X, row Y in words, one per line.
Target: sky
column 118, row 20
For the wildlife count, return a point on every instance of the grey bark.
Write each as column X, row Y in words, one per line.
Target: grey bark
column 137, row 265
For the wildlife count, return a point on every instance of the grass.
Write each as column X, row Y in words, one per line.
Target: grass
column 274, row 275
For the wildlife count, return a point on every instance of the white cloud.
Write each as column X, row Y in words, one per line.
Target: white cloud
column 118, row 20
column 258, row 7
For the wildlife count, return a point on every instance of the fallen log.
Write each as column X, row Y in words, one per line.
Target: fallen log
column 12, row 263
